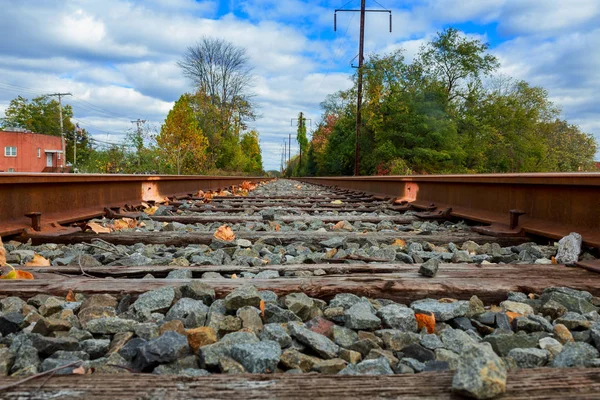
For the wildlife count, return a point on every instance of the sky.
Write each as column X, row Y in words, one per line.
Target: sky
column 118, row 57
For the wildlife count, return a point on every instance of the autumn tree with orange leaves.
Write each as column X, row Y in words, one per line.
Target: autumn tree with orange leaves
column 181, row 141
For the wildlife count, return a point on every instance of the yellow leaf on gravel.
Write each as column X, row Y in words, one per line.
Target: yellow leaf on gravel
column 337, row 202
column 150, row 210
column 233, row 276
column 2, row 254
column 38, row 261
column 225, row 233
column 399, row 243
column 119, row 225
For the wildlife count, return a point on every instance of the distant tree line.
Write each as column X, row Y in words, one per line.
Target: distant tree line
column 205, row 132
column 447, row 111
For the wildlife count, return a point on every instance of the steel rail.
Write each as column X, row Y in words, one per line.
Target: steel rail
column 64, row 198
column 554, row 204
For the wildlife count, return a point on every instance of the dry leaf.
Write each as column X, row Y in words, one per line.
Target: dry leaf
column 299, row 187
column 225, row 233
column 70, row 296
column 339, row 225
column 447, row 300
column 200, row 193
column 97, row 228
column 2, row 254
column 208, row 197
column 330, row 253
column 151, row 210
column 399, row 242
column 17, row 274
column 79, row 371
column 119, row 225
column 554, row 260
column 38, row 261
column 427, row 321
column 337, row 202
column 233, row 276
column 142, row 224
column 262, row 308
column 246, row 185
column 512, row 315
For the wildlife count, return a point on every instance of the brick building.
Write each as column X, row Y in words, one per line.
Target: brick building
column 23, row 151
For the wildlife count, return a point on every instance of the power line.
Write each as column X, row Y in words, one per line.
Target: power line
column 62, row 131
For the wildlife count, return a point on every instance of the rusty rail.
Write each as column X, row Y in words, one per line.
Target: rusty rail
column 554, row 204
column 65, row 198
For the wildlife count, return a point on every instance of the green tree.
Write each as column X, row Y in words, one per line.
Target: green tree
column 457, row 62
column 40, row 115
column 302, row 140
column 181, row 141
column 250, row 149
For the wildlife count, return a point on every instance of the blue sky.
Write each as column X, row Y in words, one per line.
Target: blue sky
column 118, row 57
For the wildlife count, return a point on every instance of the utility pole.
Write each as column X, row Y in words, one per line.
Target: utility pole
column 361, row 44
column 284, row 153
column 289, row 148
column 139, row 141
column 62, row 133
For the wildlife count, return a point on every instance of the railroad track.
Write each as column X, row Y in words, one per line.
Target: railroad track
column 310, row 253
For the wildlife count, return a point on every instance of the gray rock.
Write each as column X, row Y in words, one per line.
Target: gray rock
column 334, row 242
column 241, row 297
column 268, row 274
column 180, row 274
column 166, row 348
column 11, row 322
column 413, row 364
column 198, row 290
column 574, row 354
column 276, row 314
column 27, row 359
column 210, row 355
column 503, row 343
column 361, row 316
column 569, row 248
column 277, row 333
column 573, row 300
column 320, row 344
column 481, row 374
column 398, row 317
column 343, row 336
column 300, row 304
column 158, row 300
column 184, row 308
column 47, row 346
column 7, row 358
column 345, row 300
column 259, row 358
column 456, row 340
column 461, row 257
column 110, row 325
column 378, row 366
column 396, row 340
column 131, row 348
column 430, row 267
column 52, row 362
column 404, row 258
column 431, row 341
column 443, row 311
column 529, row 358
column 551, row 344
column 96, row 348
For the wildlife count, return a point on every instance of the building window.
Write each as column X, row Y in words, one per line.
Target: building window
column 58, row 155
column 39, row 152
column 11, row 170
column 10, row 151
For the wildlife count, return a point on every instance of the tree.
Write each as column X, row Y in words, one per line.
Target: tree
column 302, row 140
column 456, row 61
column 181, row 141
column 40, row 115
column 250, row 149
column 222, row 71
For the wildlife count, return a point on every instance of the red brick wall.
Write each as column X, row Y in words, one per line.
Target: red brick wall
column 27, row 145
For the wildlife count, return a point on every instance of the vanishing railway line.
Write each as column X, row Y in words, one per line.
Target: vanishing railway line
column 311, row 252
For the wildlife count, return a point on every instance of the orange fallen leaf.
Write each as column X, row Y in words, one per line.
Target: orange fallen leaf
column 119, row 225
column 97, row 228
column 277, row 227
column 17, row 274
column 299, row 187
column 246, row 185
column 233, row 276
column 262, row 308
column 225, row 233
column 399, row 242
column 554, row 260
column 38, row 261
column 427, row 321
column 70, row 297
column 512, row 315
column 2, row 254
column 339, row 225
column 150, row 210
column 208, row 197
